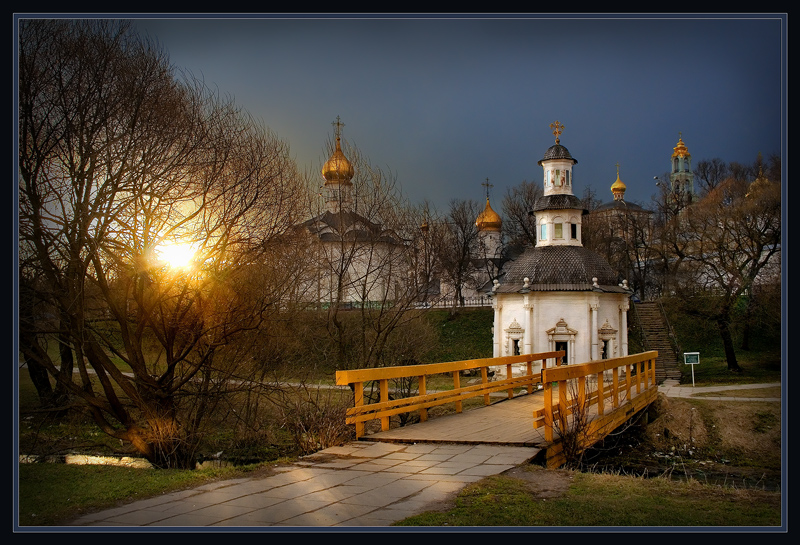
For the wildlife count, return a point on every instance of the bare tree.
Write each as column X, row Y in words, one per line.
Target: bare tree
column 518, row 205
column 731, row 237
column 460, row 247
column 709, row 173
column 122, row 166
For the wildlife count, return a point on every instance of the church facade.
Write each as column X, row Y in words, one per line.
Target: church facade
column 558, row 295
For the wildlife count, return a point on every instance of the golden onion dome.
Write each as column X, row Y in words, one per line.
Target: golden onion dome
column 680, row 149
column 618, row 188
column 338, row 169
column 489, row 220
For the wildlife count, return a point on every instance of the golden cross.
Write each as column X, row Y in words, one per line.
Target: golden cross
column 558, row 128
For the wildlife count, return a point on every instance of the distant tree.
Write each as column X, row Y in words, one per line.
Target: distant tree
column 624, row 237
column 709, row 173
column 461, row 244
column 520, row 221
column 122, row 166
column 729, row 239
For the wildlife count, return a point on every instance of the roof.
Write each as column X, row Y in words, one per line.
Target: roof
column 349, row 226
column 558, row 202
column 621, row 204
column 559, row 268
column 557, row 151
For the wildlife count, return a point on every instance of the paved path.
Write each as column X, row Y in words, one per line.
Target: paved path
column 671, row 388
column 361, row 484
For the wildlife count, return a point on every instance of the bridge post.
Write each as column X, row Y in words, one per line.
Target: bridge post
column 358, row 401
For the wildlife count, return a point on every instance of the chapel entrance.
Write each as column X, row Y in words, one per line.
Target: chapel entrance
column 563, row 345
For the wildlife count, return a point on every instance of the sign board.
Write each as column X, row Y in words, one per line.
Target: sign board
column 691, row 358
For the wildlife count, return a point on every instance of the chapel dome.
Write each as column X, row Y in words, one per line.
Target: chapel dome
column 558, row 268
column 337, row 169
column 557, row 151
column 489, row 220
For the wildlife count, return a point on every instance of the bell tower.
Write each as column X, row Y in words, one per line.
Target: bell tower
column 558, row 211
column 681, row 178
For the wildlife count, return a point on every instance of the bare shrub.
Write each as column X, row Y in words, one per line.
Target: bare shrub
column 571, row 423
column 315, row 418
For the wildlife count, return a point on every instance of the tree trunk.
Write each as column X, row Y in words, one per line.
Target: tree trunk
column 41, row 381
column 748, row 315
column 61, row 394
column 727, row 343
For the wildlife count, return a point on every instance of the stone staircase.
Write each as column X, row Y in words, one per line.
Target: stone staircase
column 656, row 337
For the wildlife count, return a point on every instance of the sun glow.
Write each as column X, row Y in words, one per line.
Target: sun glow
column 177, row 255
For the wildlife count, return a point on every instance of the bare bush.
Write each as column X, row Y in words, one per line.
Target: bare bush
column 315, row 418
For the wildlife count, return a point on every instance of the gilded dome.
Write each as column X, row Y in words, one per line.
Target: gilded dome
column 489, row 220
column 680, row 149
column 338, row 169
column 618, row 185
column 618, row 188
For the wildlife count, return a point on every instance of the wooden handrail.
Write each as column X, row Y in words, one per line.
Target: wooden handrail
column 385, row 407
column 644, row 378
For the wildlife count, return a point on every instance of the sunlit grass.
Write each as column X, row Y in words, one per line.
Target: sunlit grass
column 598, row 500
column 54, row 494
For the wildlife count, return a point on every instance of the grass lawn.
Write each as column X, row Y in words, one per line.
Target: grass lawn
column 597, row 500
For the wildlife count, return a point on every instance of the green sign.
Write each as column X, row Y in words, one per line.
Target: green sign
column 691, row 358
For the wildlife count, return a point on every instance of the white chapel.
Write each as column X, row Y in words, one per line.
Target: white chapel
column 558, row 295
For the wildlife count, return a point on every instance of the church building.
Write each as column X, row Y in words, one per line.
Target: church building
column 358, row 261
column 558, row 295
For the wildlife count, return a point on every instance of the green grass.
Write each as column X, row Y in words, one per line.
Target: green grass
column 713, row 370
column 54, row 494
column 465, row 335
column 594, row 500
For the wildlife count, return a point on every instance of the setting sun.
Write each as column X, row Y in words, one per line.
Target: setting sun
column 177, row 255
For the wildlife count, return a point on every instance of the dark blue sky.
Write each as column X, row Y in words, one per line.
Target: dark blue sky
column 446, row 103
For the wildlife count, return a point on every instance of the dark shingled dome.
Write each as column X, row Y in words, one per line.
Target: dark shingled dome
column 558, row 268
column 558, row 202
column 557, row 151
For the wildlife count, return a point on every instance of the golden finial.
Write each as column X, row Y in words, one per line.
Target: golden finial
column 558, row 128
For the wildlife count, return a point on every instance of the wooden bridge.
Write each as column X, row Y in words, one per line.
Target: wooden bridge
column 557, row 409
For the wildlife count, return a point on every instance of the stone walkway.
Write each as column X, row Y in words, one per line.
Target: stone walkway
column 359, row 484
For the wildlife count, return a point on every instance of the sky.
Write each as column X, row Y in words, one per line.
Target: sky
column 446, row 103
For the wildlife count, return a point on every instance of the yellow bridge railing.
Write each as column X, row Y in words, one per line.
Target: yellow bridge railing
column 576, row 396
column 386, row 407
